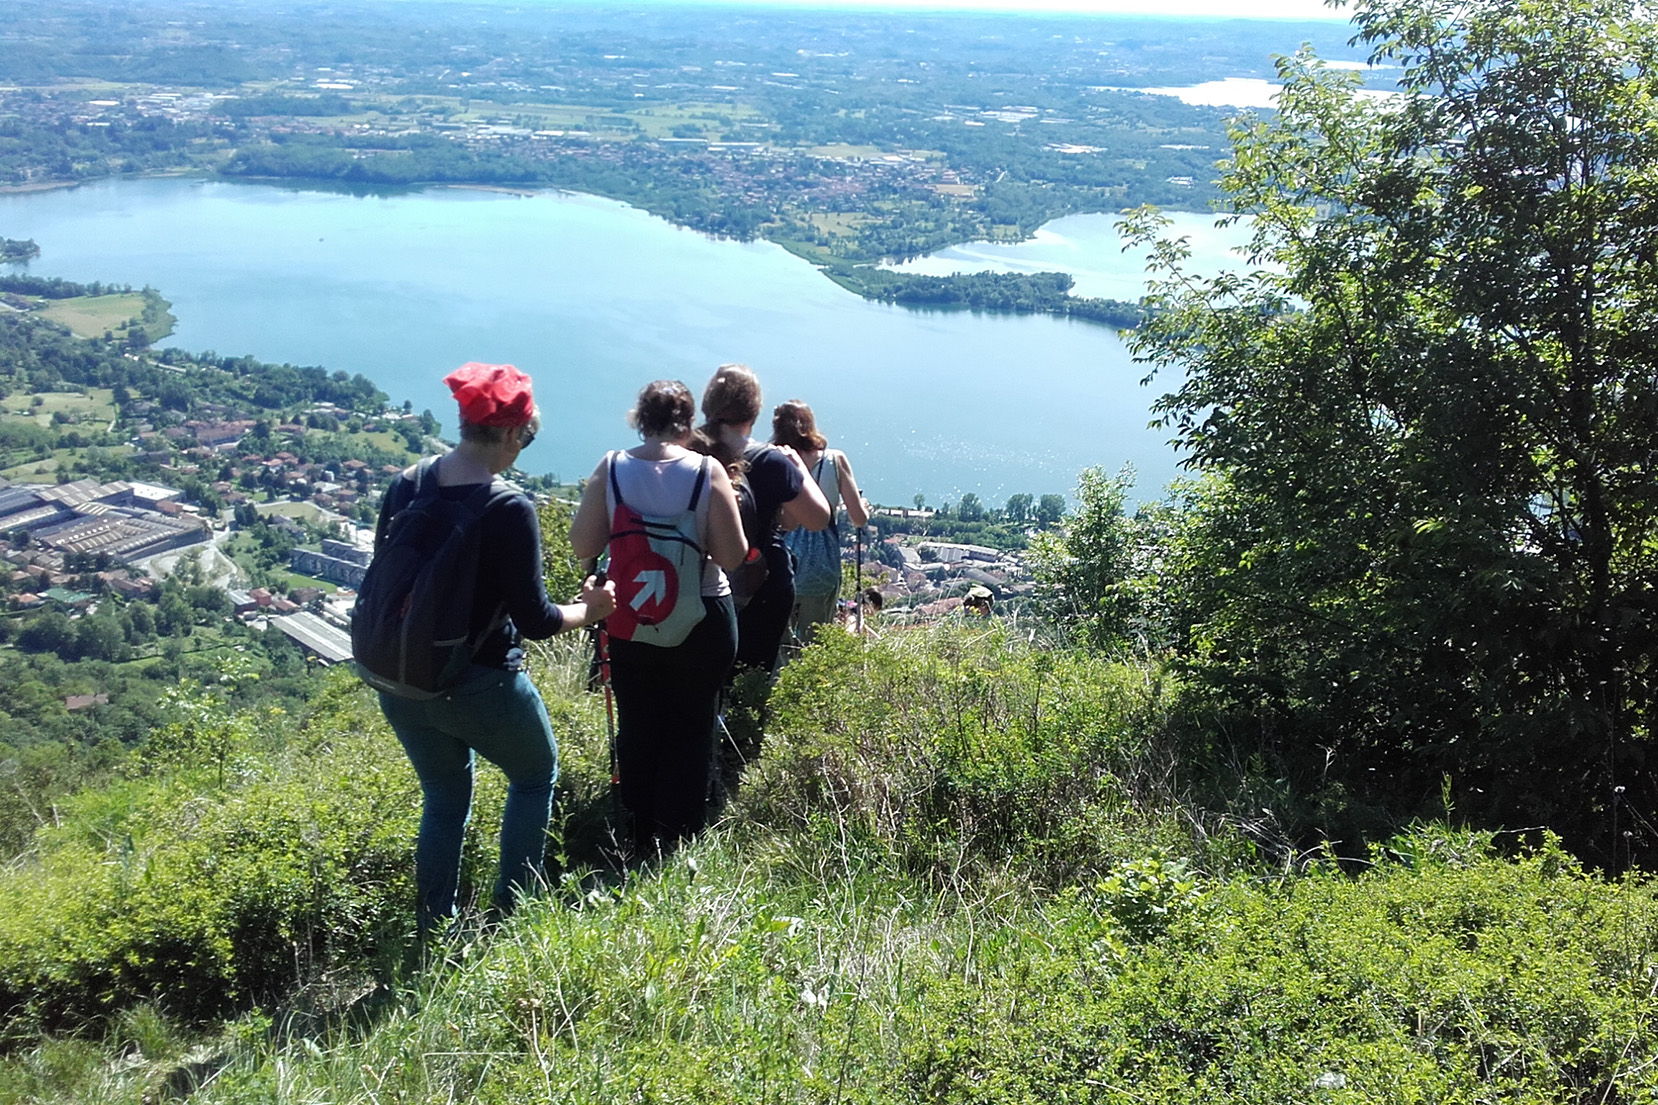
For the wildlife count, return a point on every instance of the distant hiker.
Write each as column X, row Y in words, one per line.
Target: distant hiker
column 784, row 495
column 872, row 600
column 668, row 518
column 817, row 555
column 488, row 706
column 856, row 613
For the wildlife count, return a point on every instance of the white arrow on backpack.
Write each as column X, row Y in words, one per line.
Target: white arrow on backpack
column 655, row 588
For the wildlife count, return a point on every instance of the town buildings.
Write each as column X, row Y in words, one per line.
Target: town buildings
column 124, row 520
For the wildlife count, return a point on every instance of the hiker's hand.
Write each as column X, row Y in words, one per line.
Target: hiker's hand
column 599, row 598
column 789, row 451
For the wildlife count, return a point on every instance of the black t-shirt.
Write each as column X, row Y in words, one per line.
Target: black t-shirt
column 775, row 480
column 509, row 568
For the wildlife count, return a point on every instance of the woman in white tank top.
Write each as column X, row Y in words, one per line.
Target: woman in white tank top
column 794, row 425
column 667, row 695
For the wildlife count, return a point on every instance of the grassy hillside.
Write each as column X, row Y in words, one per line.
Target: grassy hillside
column 959, row 868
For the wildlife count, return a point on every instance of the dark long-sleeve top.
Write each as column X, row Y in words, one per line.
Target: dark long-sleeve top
column 509, row 568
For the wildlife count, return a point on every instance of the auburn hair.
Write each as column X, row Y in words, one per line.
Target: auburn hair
column 792, row 424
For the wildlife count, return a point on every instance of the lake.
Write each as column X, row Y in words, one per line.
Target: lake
column 594, row 298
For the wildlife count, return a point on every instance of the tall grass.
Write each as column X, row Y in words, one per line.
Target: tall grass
column 957, row 753
column 736, row 974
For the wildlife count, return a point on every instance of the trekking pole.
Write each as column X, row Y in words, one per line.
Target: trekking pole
column 602, row 641
column 858, row 578
column 601, row 647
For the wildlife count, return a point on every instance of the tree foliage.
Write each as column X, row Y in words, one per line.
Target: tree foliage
column 1426, row 549
column 1091, row 572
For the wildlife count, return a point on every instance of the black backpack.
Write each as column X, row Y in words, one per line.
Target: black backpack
column 411, row 630
column 750, row 576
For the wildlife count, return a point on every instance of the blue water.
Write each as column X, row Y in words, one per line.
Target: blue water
column 593, row 299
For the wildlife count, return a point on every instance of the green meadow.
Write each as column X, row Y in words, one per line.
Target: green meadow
column 95, row 315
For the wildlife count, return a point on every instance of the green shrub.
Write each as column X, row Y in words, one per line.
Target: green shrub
column 1464, row 979
column 1143, row 896
column 955, row 749
column 249, row 857
column 200, row 896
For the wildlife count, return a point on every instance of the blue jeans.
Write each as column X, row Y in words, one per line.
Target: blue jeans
column 497, row 714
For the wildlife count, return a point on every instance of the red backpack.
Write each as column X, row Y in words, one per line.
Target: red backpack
column 656, row 564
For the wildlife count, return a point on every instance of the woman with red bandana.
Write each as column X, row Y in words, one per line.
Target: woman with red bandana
column 494, row 711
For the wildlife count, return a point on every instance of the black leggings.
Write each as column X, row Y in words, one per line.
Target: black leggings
column 762, row 623
column 667, row 702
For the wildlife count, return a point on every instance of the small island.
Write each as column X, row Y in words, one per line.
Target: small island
column 13, row 250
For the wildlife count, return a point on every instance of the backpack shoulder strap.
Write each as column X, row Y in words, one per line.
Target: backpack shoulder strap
column 696, row 488
column 831, row 490
column 495, row 491
column 408, row 486
column 425, row 484
column 615, row 486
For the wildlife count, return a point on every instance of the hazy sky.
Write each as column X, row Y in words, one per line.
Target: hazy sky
column 1257, row 9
